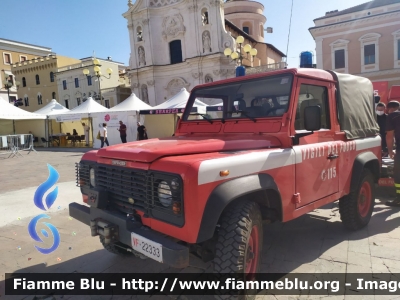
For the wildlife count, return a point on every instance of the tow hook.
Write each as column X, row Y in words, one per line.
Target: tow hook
column 107, row 230
column 137, row 254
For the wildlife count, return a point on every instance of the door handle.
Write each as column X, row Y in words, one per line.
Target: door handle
column 333, row 156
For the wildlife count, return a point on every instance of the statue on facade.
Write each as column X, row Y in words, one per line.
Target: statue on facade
column 142, row 56
column 206, row 42
column 208, row 78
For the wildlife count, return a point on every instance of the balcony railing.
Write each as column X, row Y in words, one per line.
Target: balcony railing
column 266, row 68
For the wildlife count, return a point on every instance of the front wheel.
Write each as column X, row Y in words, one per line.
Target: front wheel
column 240, row 239
column 356, row 208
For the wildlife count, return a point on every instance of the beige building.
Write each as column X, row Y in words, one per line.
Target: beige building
column 363, row 40
column 74, row 87
column 37, row 77
column 13, row 52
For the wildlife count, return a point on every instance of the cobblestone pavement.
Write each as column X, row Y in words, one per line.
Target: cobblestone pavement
column 313, row 243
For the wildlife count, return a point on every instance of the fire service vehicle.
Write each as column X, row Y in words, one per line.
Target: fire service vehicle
column 274, row 147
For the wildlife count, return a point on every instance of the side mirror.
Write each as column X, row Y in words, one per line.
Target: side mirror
column 312, row 118
column 377, row 99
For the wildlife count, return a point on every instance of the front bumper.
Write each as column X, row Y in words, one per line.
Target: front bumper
column 174, row 254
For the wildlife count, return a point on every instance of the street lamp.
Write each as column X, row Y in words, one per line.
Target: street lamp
column 8, row 84
column 97, row 73
column 238, row 56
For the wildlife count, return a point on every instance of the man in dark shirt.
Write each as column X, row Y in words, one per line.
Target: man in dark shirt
column 393, row 132
column 381, row 119
column 142, row 134
column 122, row 131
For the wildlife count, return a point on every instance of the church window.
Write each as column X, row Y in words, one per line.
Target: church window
column 175, row 51
column 139, row 34
column 204, row 16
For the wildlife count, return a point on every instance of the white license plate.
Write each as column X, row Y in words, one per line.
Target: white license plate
column 147, row 247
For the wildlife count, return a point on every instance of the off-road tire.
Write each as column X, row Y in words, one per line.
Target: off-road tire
column 113, row 248
column 231, row 249
column 349, row 208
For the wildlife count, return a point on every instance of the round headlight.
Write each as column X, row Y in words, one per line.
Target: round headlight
column 175, row 184
column 92, row 178
column 164, row 194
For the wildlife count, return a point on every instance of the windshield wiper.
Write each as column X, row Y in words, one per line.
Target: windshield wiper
column 244, row 113
column 204, row 117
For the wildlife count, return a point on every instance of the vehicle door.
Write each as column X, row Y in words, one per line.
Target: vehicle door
column 316, row 155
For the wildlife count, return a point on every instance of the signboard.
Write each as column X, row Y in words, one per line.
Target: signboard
column 112, row 118
column 381, row 89
column 394, row 93
column 165, row 111
column 68, row 118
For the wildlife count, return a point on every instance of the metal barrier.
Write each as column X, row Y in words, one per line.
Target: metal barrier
column 11, row 145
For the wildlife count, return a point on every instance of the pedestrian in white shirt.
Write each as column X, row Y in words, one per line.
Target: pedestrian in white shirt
column 86, row 129
column 103, row 135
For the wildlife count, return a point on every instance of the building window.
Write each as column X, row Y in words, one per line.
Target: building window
column 175, row 50
column 139, row 34
column 204, row 16
column 76, row 82
column 23, row 82
column 78, row 101
column 51, row 77
column 26, row 100
column 246, row 29
column 53, row 95
column 22, row 58
column 64, row 84
column 39, row 99
column 37, row 79
column 107, row 103
column 339, row 59
column 66, row 103
column 396, row 46
column 89, row 80
column 7, row 58
column 339, row 55
column 369, row 54
column 261, row 30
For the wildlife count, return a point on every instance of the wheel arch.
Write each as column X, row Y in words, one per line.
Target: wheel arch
column 365, row 160
column 261, row 187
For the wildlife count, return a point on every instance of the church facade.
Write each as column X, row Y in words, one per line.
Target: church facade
column 179, row 44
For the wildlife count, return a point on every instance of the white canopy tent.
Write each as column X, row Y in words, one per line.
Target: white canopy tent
column 10, row 113
column 160, row 120
column 86, row 110
column 51, row 109
column 127, row 112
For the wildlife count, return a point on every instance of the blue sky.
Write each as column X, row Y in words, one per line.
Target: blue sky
column 76, row 28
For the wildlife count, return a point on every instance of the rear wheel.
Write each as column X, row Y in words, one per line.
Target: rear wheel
column 239, row 242
column 356, row 208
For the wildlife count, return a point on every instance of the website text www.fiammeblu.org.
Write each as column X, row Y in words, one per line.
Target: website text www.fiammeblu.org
column 207, row 284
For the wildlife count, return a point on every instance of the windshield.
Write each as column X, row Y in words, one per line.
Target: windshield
column 255, row 98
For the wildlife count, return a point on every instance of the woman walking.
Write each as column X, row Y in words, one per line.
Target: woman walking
column 103, row 135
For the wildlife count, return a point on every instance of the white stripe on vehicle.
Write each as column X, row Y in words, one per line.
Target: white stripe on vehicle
column 240, row 165
column 259, row 161
column 367, row 143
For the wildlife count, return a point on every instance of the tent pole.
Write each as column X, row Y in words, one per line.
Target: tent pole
column 14, row 126
column 91, row 126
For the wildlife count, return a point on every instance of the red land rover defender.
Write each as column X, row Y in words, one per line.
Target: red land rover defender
column 279, row 145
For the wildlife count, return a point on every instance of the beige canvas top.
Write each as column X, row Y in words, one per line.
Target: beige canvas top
column 356, row 106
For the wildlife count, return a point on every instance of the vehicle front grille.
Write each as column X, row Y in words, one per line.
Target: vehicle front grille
column 130, row 189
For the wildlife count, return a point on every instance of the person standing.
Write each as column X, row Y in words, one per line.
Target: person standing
column 141, row 132
column 103, row 135
column 122, row 131
column 393, row 132
column 86, row 129
column 381, row 119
